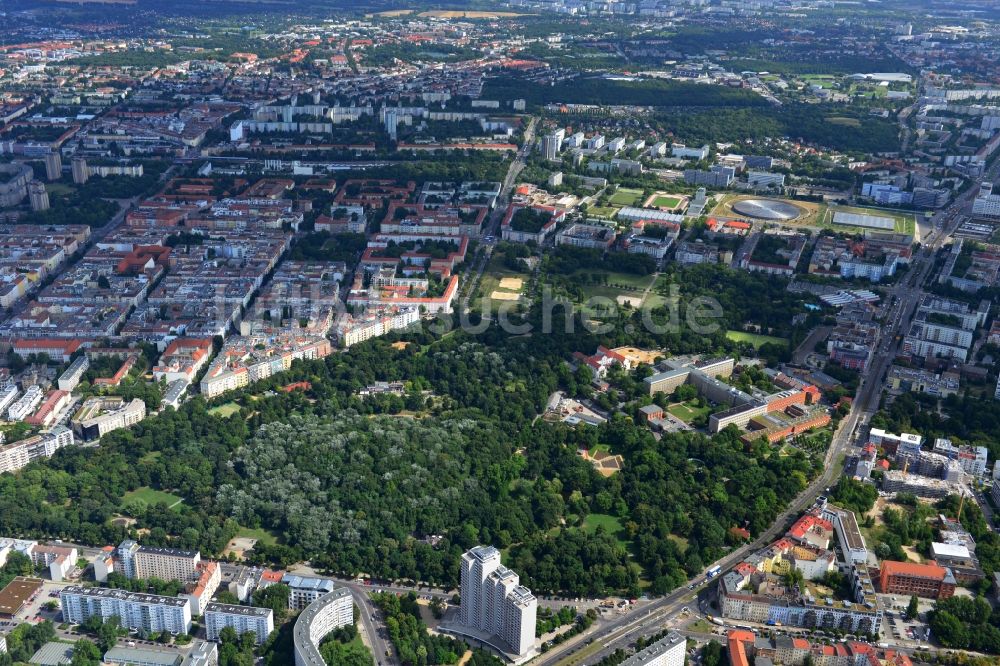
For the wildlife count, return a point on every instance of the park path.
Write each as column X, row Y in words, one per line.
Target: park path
column 649, row 287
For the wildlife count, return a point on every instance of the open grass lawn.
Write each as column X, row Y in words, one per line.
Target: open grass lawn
column 259, row 533
column 626, row 197
column 701, row 627
column 152, row 497
column 629, row 280
column 666, row 202
column 224, row 410
column 594, row 520
column 602, row 211
column 755, row 339
column 611, row 525
column 58, row 189
column 687, row 411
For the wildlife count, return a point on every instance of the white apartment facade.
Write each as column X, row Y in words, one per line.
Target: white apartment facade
column 668, row 651
column 329, row 612
column 18, row 454
column 25, row 405
column 166, row 563
column 494, row 602
column 148, row 613
column 142, row 562
column 242, row 619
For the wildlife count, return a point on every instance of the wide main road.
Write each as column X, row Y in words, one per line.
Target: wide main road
column 492, row 226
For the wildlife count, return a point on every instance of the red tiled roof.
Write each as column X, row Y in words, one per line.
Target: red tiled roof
column 891, row 568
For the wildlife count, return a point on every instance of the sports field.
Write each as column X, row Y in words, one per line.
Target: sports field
column 905, row 222
column 626, row 197
column 666, row 202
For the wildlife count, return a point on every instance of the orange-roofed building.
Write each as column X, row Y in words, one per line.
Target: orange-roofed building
column 60, row 350
column 923, row 580
column 269, row 577
column 812, row 530
column 144, row 258
column 182, row 359
column 737, row 640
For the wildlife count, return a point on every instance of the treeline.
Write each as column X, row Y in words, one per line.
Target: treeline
column 74, row 208
column 568, row 259
column 806, row 122
column 965, row 419
column 598, row 90
column 24, row 640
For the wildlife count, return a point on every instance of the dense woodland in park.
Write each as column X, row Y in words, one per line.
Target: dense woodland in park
column 355, row 485
column 600, row 90
column 965, row 419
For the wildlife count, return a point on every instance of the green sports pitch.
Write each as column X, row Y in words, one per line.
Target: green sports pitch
column 666, row 202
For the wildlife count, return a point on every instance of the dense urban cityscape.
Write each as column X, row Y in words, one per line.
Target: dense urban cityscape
column 549, row 332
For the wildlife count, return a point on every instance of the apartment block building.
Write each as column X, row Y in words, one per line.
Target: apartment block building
column 141, row 562
column 147, row 613
column 329, row 612
column 242, row 619
column 972, row 458
column 199, row 592
column 592, row 236
column 494, row 602
column 26, row 404
column 69, row 379
column 18, row 454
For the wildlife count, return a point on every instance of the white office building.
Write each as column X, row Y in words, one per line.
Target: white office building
column 147, row 613
column 241, row 618
column 668, row 651
column 495, row 603
column 987, row 202
column 303, row 590
column 761, row 180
